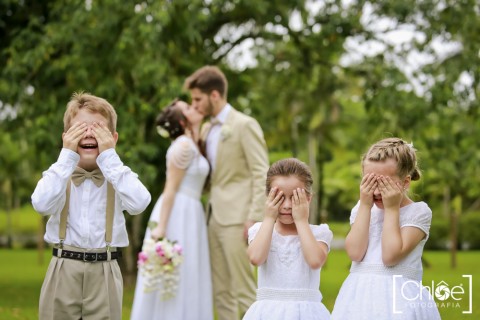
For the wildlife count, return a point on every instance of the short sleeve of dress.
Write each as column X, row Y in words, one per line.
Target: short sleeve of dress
column 182, row 154
column 252, row 231
column 322, row 233
column 353, row 214
column 418, row 215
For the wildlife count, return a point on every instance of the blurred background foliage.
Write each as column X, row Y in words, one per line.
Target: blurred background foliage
column 325, row 79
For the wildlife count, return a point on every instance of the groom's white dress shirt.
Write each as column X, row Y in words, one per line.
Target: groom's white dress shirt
column 214, row 134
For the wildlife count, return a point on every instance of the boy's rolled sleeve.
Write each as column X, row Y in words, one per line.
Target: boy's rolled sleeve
column 49, row 195
column 133, row 195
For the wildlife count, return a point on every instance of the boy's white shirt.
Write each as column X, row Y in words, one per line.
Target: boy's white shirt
column 86, row 219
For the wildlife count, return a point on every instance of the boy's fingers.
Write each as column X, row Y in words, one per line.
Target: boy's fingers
column 78, row 126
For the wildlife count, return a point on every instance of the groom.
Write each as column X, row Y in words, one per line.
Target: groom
column 237, row 153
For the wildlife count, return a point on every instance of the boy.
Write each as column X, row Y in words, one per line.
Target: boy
column 85, row 193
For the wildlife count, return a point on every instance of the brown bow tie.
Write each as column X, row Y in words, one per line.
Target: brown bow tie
column 79, row 175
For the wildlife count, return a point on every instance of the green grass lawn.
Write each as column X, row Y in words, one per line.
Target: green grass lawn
column 21, row 276
column 23, row 220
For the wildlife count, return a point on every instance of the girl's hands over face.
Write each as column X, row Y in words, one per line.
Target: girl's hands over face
column 74, row 134
column 392, row 192
column 300, row 205
column 367, row 188
column 274, row 200
column 103, row 136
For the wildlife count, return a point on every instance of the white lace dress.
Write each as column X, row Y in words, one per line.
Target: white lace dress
column 288, row 289
column 186, row 225
column 374, row 291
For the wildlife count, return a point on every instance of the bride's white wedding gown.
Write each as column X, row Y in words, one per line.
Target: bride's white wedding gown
column 187, row 226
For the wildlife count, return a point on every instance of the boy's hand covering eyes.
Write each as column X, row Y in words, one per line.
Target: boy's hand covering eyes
column 103, row 136
column 74, row 134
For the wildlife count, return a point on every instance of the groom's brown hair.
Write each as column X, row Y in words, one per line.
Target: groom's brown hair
column 208, row 79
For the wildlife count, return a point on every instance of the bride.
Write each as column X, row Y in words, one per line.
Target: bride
column 179, row 216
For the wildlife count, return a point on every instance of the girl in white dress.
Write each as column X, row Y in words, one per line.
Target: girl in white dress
column 288, row 251
column 386, row 240
column 180, row 217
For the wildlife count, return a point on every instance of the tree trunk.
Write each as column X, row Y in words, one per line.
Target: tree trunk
column 312, row 161
column 8, row 205
column 129, row 261
column 447, row 210
column 294, row 131
column 455, row 213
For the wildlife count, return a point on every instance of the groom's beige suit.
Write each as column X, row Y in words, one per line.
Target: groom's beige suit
column 237, row 194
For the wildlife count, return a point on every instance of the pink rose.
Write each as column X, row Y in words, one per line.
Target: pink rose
column 177, row 248
column 142, row 257
column 159, row 250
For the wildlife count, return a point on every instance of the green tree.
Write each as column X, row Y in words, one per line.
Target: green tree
column 310, row 102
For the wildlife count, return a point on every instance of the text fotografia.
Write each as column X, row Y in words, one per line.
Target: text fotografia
column 441, row 294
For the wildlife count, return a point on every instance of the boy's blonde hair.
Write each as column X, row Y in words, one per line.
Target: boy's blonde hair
column 399, row 150
column 81, row 100
column 290, row 167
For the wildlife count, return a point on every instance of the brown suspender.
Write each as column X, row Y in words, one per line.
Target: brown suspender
column 62, row 230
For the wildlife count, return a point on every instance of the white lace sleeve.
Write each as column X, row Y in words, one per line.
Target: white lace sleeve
column 322, row 233
column 353, row 214
column 182, row 154
column 418, row 215
column 252, row 231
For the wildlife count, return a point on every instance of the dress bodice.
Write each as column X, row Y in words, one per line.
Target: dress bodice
column 416, row 214
column 285, row 266
column 184, row 154
column 375, row 291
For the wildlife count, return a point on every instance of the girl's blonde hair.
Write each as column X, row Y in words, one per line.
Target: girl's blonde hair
column 399, row 150
column 91, row 103
column 290, row 167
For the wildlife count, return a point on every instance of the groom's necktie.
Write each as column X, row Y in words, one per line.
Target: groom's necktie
column 79, row 175
column 214, row 122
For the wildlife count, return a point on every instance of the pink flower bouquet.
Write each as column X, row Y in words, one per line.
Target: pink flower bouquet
column 158, row 263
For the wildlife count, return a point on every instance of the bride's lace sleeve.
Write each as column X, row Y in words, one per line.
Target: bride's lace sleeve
column 181, row 154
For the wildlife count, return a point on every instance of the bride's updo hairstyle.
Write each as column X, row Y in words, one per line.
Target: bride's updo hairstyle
column 169, row 121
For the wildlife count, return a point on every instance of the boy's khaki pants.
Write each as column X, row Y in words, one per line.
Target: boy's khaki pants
column 74, row 289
